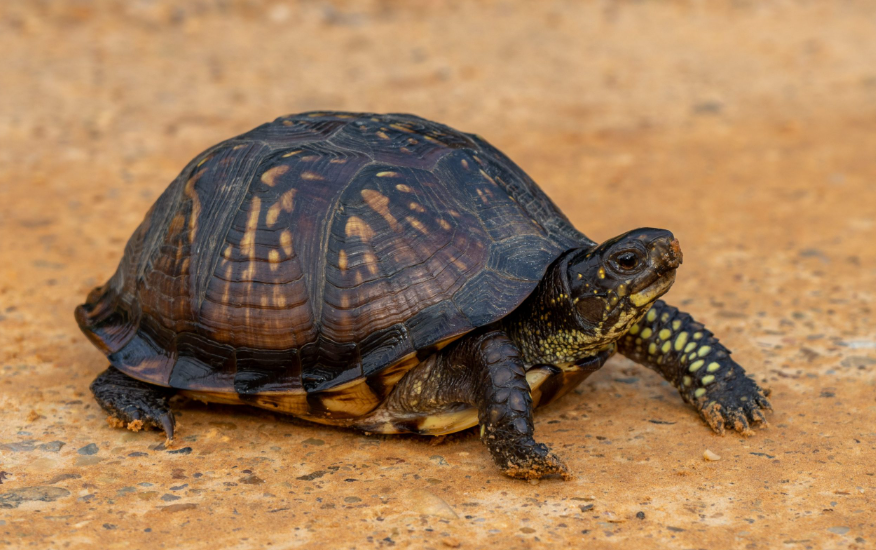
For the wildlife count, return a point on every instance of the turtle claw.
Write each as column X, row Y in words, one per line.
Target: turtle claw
column 536, row 466
column 738, row 405
column 167, row 424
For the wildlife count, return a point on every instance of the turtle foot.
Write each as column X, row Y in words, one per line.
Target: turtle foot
column 737, row 405
column 133, row 404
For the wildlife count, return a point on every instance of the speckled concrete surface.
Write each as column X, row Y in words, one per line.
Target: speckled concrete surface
column 746, row 128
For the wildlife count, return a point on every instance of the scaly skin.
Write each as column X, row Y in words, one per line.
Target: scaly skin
column 690, row 358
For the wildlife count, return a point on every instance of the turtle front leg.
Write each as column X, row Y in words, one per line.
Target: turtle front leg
column 133, row 404
column 483, row 371
column 690, row 358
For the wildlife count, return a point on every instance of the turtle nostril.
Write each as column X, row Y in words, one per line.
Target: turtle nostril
column 675, row 251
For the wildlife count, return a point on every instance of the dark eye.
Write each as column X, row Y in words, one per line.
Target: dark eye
column 627, row 261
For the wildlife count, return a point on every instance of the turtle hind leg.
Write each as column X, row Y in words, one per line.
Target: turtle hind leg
column 132, row 403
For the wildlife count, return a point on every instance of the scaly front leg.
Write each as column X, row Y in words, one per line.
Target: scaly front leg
column 690, row 358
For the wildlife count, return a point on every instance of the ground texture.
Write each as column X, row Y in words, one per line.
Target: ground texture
column 745, row 128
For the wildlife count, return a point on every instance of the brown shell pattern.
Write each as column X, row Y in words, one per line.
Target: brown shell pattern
column 319, row 249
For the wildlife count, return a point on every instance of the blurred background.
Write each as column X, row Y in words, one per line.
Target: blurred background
column 745, row 127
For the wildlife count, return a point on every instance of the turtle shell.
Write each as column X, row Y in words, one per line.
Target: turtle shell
column 323, row 248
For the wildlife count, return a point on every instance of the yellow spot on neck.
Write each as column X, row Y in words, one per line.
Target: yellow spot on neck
column 342, row 260
column 403, row 188
column 388, row 174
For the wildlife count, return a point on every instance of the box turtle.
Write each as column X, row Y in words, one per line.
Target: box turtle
column 394, row 275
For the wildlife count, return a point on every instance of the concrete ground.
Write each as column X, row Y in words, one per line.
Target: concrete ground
column 744, row 127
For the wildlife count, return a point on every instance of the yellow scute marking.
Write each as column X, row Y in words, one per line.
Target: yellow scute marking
column 285, row 203
column 380, row 204
column 269, row 178
column 356, row 227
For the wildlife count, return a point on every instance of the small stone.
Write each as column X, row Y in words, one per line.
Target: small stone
column 710, row 456
column 311, row 476
column 838, row 530
column 183, row 451
column 640, row 515
column 51, row 446
column 90, row 449
column 21, row 446
column 352, row 500
column 251, row 480
column 179, row 507
column 87, row 460
column 63, row 477
column 527, row 530
column 14, row 498
column 167, row 497
column 312, row 441
column 424, row 502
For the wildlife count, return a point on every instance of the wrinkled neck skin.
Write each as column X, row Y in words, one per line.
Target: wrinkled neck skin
column 548, row 329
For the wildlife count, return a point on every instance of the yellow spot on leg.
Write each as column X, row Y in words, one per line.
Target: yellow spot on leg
column 700, row 392
column 634, row 329
column 703, row 351
column 708, row 379
column 652, row 314
column 696, row 365
column 713, row 367
column 680, row 341
column 666, row 347
column 665, row 334
column 646, row 333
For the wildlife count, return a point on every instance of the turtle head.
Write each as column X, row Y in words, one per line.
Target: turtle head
column 613, row 284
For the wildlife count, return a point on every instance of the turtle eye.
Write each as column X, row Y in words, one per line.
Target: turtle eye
column 627, row 261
